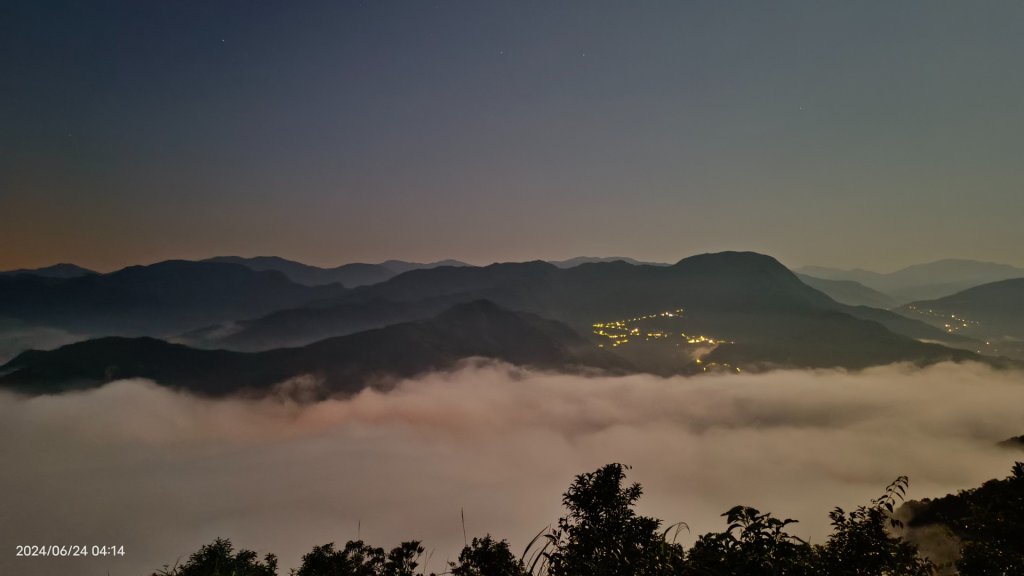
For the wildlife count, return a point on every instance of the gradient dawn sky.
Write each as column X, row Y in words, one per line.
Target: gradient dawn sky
column 872, row 134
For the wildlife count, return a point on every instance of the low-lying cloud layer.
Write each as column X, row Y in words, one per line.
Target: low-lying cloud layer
column 162, row 473
column 16, row 337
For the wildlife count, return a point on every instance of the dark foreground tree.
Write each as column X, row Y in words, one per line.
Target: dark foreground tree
column 988, row 521
column 754, row 544
column 487, row 557
column 602, row 536
column 360, row 559
column 220, row 559
column 861, row 543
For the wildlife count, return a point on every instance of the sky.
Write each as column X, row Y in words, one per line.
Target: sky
column 851, row 134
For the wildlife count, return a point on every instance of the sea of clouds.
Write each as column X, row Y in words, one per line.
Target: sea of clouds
column 161, row 472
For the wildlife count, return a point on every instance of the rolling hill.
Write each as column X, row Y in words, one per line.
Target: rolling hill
column 849, row 292
column 737, row 308
column 301, row 326
column 159, row 299
column 745, row 298
column 923, row 281
column 993, row 313
column 341, row 365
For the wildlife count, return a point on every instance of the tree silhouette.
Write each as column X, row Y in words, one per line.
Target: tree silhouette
column 360, row 559
column 219, row 559
column 988, row 521
column 603, row 536
column 487, row 557
column 754, row 544
column 861, row 544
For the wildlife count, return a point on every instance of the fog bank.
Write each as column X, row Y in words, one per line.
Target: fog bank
column 16, row 337
column 162, row 473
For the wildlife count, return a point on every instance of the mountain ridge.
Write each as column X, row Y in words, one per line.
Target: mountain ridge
column 925, row 281
column 349, row 275
column 344, row 365
column 849, row 292
column 992, row 312
column 156, row 299
column 60, row 270
column 740, row 296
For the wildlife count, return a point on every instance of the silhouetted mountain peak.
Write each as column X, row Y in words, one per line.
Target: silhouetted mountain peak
column 61, row 270
column 528, row 265
column 580, row 260
column 197, row 276
column 401, row 266
column 761, row 277
column 251, row 260
column 732, row 260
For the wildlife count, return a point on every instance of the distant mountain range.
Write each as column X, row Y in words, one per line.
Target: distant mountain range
column 160, row 299
column 849, row 292
column 301, row 326
column 230, row 327
column 63, row 270
column 741, row 297
column 349, row 275
column 338, row 365
column 922, row 281
column 359, row 274
column 573, row 262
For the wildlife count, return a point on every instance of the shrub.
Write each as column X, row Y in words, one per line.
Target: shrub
column 360, row 559
column 602, row 536
column 487, row 557
column 219, row 559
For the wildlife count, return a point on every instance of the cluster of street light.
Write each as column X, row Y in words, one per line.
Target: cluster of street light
column 951, row 322
column 621, row 332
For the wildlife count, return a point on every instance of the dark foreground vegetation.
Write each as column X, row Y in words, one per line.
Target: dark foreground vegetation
column 601, row 535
